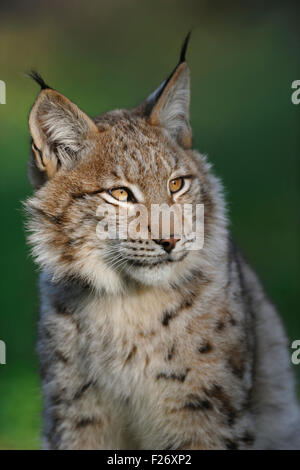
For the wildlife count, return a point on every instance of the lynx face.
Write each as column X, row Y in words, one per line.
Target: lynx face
column 79, row 165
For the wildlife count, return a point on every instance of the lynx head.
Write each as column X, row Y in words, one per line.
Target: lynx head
column 122, row 158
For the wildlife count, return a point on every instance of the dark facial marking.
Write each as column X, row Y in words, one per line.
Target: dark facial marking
column 176, row 377
column 86, row 193
column 50, row 218
column 131, row 354
column 196, row 403
column 206, row 347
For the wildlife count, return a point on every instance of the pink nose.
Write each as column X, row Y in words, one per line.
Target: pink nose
column 168, row 244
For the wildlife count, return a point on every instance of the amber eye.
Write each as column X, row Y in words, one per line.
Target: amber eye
column 121, row 194
column 176, row 184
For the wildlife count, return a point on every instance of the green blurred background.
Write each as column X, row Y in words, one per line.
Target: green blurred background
column 107, row 54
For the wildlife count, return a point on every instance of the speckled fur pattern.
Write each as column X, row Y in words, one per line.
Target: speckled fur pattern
column 139, row 349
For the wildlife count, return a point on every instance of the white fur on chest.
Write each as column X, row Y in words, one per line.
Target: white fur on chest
column 123, row 339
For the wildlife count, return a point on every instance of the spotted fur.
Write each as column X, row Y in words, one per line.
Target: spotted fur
column 139, row 348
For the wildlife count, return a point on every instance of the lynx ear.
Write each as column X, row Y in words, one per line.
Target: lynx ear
column 60, row 132
column 168, row 106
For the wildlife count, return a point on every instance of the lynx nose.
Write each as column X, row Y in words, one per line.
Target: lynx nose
column 168, row 244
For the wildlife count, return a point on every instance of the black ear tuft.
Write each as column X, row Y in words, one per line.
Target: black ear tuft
column 38, row 79
column 181, row 60
column 184, row 47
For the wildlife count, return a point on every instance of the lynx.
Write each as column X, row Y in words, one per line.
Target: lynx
column 145, row 344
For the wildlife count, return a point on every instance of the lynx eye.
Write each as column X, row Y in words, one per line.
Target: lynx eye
column 121, row 194
column 176, row 184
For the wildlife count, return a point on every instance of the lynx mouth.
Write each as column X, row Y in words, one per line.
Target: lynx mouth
column 155, row 263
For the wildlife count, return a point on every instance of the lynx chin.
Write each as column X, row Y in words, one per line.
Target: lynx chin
column 143, row 343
